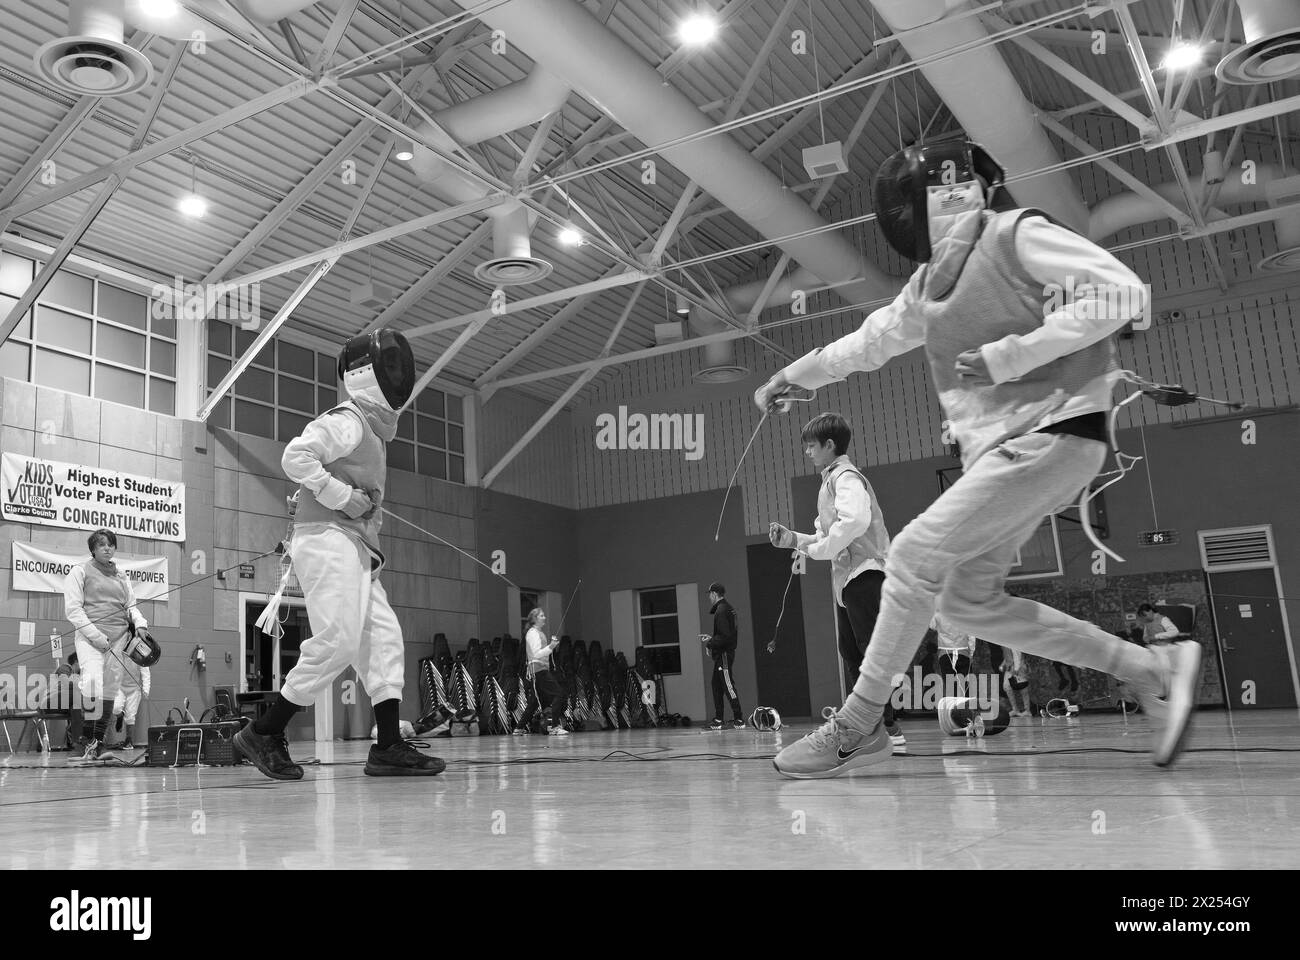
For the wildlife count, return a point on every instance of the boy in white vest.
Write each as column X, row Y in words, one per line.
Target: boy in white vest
column 340, row 464
column 1025, row 378
column 851, row 534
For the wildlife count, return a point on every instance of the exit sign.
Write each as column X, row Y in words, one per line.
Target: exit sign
column 1157, row 538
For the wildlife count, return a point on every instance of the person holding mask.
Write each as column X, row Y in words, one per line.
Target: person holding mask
column 99, row 602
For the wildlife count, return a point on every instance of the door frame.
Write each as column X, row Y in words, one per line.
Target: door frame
column 1272, row 564
column 323, row 717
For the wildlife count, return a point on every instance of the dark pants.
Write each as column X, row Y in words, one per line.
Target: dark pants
column 724, row 683
column 857, row 619
column 549, row 690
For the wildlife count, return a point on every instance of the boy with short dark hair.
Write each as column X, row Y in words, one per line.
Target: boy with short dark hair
column 851, row 534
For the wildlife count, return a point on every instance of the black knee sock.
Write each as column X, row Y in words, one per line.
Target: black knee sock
column 389, row 726
column 89, row 711
column 277, row 717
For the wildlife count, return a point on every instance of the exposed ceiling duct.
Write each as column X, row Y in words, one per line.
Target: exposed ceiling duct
column 472, row 121
column 1271, row 186
column 1272, row 48
column 986, row 100
column 92, row 59
column 568, row 41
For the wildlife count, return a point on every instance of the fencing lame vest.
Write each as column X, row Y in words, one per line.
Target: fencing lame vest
column 104, row 600
column 871, row 544
column 975, row 291
column 363, row 468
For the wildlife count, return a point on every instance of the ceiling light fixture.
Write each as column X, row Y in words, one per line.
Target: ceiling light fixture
column 192, row 205
column 1182, row 56
column 570, row 237
column 698, row 29
column 405, row 150
column 159, row 8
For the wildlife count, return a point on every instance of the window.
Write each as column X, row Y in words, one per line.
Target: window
column 87, row 336
column 659, row 632
column 280, row 392
column 287, row 385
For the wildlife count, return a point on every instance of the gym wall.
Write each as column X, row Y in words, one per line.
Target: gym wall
column 235, row 509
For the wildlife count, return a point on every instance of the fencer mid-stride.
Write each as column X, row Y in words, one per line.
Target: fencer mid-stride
column 1025, row 377
column 340, row 463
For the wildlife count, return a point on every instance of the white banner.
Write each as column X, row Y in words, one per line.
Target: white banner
column 68, row 495
column 44, row 571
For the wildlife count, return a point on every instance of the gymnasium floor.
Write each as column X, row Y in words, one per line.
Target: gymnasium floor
column 1051, row 794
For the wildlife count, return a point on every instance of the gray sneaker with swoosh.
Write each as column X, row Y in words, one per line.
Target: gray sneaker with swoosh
column 833, row 750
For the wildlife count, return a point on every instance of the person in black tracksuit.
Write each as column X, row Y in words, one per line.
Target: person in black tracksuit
column 722, row 648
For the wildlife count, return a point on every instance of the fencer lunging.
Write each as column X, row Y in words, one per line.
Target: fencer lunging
column 1017, row 315
column 340, row 464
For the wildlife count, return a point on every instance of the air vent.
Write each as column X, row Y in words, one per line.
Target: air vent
column 825, row 160
column 512, row 271
column 1244, row 548
column 1272, row 48
column 725, row 373
column 92, row 59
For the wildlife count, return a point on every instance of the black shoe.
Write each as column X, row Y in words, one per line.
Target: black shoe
column 738, row 724
column 402, row 760
column 127, row 744
column 716, row 725
column 268, row 752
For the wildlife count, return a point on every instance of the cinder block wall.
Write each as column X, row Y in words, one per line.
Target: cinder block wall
column 234, row 511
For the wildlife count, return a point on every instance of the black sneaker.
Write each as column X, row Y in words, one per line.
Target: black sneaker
column 127, row 744
column 402, row 760
column 94, row 751
column 716, row 725
column 738, row 724
column 268, row 752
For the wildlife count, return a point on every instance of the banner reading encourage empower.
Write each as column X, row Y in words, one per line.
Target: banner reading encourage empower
column 46, row 570
column 68, row 495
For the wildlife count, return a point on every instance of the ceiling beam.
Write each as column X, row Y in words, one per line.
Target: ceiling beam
column 622, row 279
column 124, row 165
column 581, row 381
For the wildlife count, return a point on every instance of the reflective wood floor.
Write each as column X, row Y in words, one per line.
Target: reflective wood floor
column 1054, row 793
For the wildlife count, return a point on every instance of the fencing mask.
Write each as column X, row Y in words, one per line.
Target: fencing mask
column 921, row 189
column 143, row 649
column 765, row 718
column 378, row 367
column 963, row 717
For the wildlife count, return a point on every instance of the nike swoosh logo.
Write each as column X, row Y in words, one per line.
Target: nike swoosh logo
column 845, row 757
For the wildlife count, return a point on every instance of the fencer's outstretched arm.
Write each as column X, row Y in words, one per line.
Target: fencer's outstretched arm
column 323, row 440
column 1092, row 295
column 852, row 518
column 886, row 333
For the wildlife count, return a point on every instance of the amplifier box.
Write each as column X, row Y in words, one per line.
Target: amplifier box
column 185, row 744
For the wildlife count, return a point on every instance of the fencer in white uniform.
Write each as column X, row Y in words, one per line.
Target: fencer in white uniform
column 1017, row 315
column 99, row 602
column 340, row 464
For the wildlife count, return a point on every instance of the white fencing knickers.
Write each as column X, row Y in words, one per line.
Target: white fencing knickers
column 352, row 623
column 100, row 673
column 134, row 681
